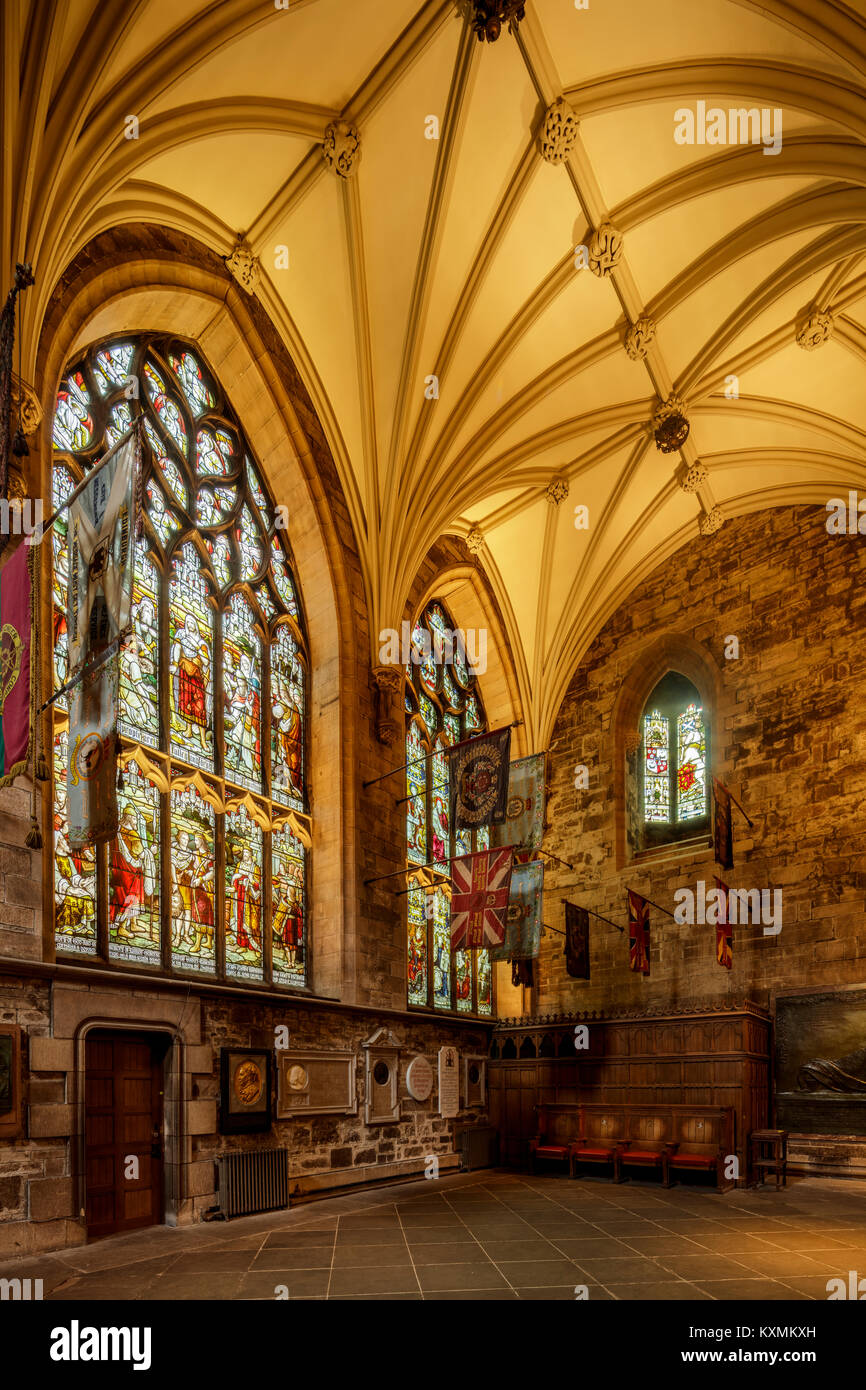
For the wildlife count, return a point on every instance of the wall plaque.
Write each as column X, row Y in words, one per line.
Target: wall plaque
column 449, row 1082
column 316, row 1083
column 474, row 1080
column 419, row 1078
column 381, row 1099
column 245, row 1090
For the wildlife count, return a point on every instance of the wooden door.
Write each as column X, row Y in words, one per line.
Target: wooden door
column 123, row 1131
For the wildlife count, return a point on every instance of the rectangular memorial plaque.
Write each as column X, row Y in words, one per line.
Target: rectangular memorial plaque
column 316, row 1083
column 449, row 1082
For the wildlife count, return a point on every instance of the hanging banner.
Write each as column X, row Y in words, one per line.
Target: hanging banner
column 724, row 930
column 480, row 886
column 523, row 826
column 478, row 777
column 723, row 834
column 638, row 933
column 523, row 922
column 576, row 941
column 102, row 522
column 16, row 677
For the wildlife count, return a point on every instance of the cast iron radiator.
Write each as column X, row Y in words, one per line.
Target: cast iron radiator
column 479, row 1147
column 251, row 1182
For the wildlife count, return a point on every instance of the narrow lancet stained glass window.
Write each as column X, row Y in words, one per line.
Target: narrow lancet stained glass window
column 133, row 859
column 691, row 764
column 656, row 771
column 443, row 707
column 217, row 629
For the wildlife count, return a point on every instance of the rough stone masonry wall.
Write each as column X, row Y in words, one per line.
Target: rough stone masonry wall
column 794, row 750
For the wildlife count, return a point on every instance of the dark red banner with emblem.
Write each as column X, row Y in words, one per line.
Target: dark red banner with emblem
column 724, row 930
column 638, row 933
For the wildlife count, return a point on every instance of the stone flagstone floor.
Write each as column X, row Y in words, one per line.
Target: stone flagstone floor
column 490, row 1235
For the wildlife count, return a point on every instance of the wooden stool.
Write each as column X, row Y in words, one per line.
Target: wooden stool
column 776, row 1140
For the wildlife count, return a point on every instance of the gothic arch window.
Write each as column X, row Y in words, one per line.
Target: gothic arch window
column 673, row 763
column 443, row 707
column 209, row 871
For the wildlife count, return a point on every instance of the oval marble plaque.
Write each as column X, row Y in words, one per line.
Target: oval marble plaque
column 419, row 1078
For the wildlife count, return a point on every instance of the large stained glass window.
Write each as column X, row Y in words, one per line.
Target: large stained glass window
column 443, row 707
column 674, row 762
column 208, row 874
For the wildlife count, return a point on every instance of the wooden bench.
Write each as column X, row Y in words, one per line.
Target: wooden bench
column 657, row 1138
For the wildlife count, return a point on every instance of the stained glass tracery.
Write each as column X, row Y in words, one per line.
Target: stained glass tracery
column 216, row 626
column 673, row 760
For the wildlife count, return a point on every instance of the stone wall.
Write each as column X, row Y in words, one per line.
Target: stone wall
column 41, row 1191
column 789, row 739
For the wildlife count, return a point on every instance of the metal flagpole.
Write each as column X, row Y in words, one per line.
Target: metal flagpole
column 91, row 475
column 515, row 724
column 652, row 904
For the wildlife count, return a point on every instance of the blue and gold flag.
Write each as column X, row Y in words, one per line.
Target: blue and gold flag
column 523, row 826
column 524, row 917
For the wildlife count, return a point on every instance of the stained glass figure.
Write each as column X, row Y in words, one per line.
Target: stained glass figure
column 249, row 542
column 111, row 367
column 189, row 374
column 133, row 873
column 484, row 983
column 287, row 870
column 463, row 974
column 423, row 656
column 164, row 522
column 167, row 466
column 287, row 720
column 428, row 712
column 73, row 423
column 166, row 408
column 193, row 906
column 221, row 559
column 191, row 661
column 691, row 764
column 265, row 602
column 416, row 806
column 458, row 662
column 656, row 770
column 74, row 873
column 441, row 950
column 452, row 728
column 439, row 804
column 119, row 421
column 417, row 968
column 214, row 505
column 243, row 851
column 242, row 687
column 472, row 717
column 256, row 489
column 139, row 686
column 482, row 837
column 282, row 578
column 455, row 700
column 63, row 484
column 214, row 450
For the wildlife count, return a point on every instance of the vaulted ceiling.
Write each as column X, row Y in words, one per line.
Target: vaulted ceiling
column 449, row 251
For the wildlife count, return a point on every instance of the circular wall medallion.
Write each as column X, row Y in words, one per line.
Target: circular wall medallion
column 297, row 1078
column 248, row 1083
column 419, row 1078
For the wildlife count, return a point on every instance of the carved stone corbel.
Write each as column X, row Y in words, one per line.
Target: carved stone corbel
column 389, row 716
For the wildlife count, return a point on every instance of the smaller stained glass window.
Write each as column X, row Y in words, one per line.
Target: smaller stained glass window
column 656, row 774
column 691, row 764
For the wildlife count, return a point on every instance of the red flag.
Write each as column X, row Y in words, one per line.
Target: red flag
column 638, row 933
column 480, row 886
column 724, row 931
column 15, row 659
column 723, row 833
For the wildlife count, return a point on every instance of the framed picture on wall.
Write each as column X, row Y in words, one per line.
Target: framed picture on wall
column 245, row 1090
column 10, row 1081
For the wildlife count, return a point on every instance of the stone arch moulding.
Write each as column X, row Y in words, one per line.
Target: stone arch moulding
column 466, row 593
column 136, row 280
column 673, row 651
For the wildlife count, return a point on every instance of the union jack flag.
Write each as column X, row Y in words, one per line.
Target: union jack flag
column 638, row 933
column 480, row 886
